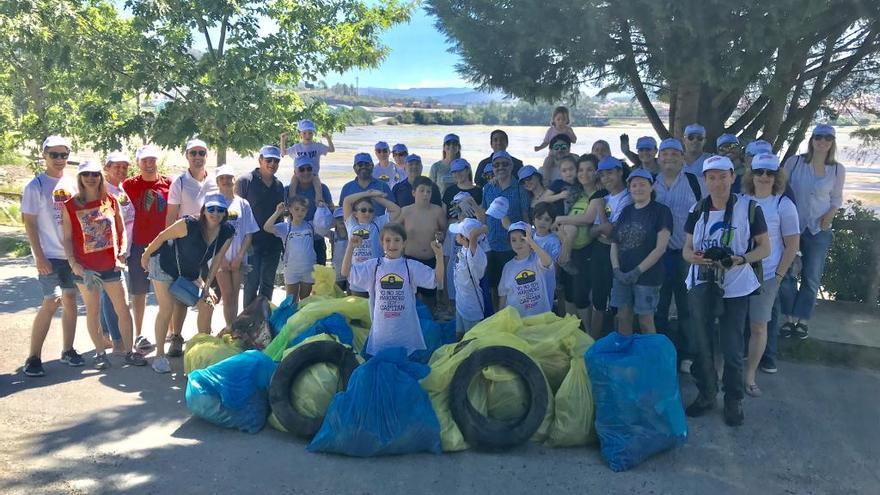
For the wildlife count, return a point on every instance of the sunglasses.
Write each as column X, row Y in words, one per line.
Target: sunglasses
column 306, row 168
column 559, row 147
column 215, row 209
column 272, row 160
column 365, row 210
column 363, row 164
column 497, row 165
column 382, row 151
column 399, row 154
column 92, row 175
column 58, row 154
column 823, row 137
column 725, row 147
column 198, row 153
column 695, row 137
column 763, row 171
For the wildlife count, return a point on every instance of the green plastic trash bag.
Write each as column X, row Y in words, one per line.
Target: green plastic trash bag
column 203, row 350
column 572, row 424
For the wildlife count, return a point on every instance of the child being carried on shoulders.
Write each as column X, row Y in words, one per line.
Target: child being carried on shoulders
column 560, row 124
column 308, row 147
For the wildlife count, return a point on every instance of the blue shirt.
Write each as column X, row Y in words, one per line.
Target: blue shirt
column 679, row 198
column 696, row 168
column 518, row 198
column 375, row 185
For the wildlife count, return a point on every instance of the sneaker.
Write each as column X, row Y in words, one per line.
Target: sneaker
column 699, row 407
column 161, row 364
column 143, row 344
column 101, row 361
column 135, row 359
column 685, row 366
column 754, row 390
column 176, row 347
column 768, row 365
column 801, row 331
column 733, row 413
column 786, row 330
column 72, row 358
column 34, row 367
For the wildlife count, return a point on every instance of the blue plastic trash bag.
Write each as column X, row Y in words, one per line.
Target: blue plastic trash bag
column 233, row 393
column 282, row 313
column 384, row 411
column 435, row 334
column 638, row 404
column 334, row 324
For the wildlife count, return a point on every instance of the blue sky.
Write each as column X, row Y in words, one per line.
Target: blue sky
column 418, row 58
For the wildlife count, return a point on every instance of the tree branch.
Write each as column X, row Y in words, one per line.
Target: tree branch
column 632, row 75
column 221, row 45
column 204, row 29
column 749, row 115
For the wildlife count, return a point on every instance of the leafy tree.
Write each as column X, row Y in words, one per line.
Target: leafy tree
column 759, row 69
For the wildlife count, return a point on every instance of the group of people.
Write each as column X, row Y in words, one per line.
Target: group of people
column 736, row 239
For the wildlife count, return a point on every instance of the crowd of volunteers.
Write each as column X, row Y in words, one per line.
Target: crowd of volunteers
column 700, row 247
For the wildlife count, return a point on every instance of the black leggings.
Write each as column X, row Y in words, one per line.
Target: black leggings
column 577, row 287
column 602, row 275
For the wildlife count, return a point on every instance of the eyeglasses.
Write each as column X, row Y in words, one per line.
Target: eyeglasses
column 272, row 160
column 399, row 154
column 215, row 209
column 694, row 137
column 559, row 147
column 365, row 210
column 92, row 175
column 382, row 151
column 823, row 137
column 305, row 168
column 57, row 154
column 763, row 171
column 198, row 153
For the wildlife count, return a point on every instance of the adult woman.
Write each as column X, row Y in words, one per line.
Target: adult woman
column 533, row 182
column 440, row 173
column 816, row 178
column 586, row 207
column 234, row 265
column 94, row 240
column 765, row 183
column 196, row 240
column 464, row 182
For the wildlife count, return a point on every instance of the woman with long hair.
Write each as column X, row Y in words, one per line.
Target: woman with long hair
column 234, row 266
column 441, row 173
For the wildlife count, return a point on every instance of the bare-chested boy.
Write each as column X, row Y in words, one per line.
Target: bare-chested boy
column 424, row 222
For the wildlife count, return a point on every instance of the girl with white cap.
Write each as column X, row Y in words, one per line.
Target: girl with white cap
column 234, row 265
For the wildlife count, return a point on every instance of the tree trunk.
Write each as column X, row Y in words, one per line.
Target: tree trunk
column 222, row 144
column 687, row 106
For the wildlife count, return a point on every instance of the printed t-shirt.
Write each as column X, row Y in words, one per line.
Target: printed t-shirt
column 94, row 236
column 242, row 220
column 44, row 197
column 150, row 201
column 524, row 284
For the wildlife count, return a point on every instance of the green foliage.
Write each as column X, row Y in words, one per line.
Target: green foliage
column 13, row 247
column 354, row 116
column 845, row 276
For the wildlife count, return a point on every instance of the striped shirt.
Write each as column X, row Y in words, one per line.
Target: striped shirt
column 679, row 198
column 696, row 168
column 813, row 195
column 518, row 211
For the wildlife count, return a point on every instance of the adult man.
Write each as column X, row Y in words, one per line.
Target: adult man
column 498, row 141
column 364, row 181
column 694, row 138
column 384, row 170
column 755, row 148
column 424, row 223
column 263, row 191
column 507, row 186
column 41, row 204
column 678, row 190
column 187, row 193
column 304, row 170
column 148, row 193
column 560, row 147
column 728, row 145
column 646, row 153
column 402, row 192
column 725, row 234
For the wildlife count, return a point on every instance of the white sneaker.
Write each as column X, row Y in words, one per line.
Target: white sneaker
column 685, row 366
column 161, row 365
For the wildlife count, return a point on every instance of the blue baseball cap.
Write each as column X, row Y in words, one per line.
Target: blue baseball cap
column 695, row 129
column 399, row 148
column 640, row 172
column 459, row 164
column 609, row 163
column 502, row 155
column 363, row 157
column 726, row 139
column 270, row 152
column 413, row 158
column 671, row 144
column 759, row 147
column 216, row 200
column 488, row 169
column 767, row 161
column 381, row 145
column 303, row 161
column 526, row 172
column 451, row 137
column 338, row 212
column 823, row 129
column 305, row 125
column 646, row 143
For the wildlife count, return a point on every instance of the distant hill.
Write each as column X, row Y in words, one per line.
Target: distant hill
column 444, row 96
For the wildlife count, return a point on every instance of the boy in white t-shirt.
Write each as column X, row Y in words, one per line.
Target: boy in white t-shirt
column 338, row 245
column 391, row 282
column 307, row 147
column 524, row 279
column 298, row 240
column 470, row 266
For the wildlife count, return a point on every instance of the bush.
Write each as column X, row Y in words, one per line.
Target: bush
column 846, row 277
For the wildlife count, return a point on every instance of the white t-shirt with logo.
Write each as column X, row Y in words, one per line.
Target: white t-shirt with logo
column 44, row 197
column 393, row 284
column 299, row 251
column 190, row 194
column 313, row 150
column 615, row 203
column 781, row 217
column 371, row 247
column 524, row 284
column 126, row 209
column 241, row 217
column 467, row 272
column 390, row 175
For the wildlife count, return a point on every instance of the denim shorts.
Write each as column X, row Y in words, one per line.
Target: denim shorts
column 105, row 276
column 138, row 282
column 761, row 305
column 60, row 280
column 642, row 298
column 156, row 273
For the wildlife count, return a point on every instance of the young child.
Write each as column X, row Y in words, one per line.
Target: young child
column 560, row 124
column 361, row 222
column 298, row 239
column 338, row 245
column 470, row 266
column 543, row 217
column 564, row 192
column 424, row 223
column 391, row 282
column 524, row 279
column 308, row 147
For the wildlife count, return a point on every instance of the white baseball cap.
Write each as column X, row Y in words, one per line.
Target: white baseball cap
column 88, row 166
column 56, row 141
column 498, row 208
column 465, row 227
column 767, row 161
column 461, row 196
column 116, row 156
column 224, row 170
column 195, row 143
column 518, row 226
column 148, row 151
column 717, row 162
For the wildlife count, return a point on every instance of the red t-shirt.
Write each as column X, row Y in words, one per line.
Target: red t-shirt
column 96, row 237
column 150, row 200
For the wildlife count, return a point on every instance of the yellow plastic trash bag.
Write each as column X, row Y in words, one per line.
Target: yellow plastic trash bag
column 325, row 282
column 312, row 309
column 203, row 350
column 500, row 394
column 360, row 337
column 554, row 342
column 572, row 424
column 505, row 321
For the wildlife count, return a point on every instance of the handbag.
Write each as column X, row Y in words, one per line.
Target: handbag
column 183, row 289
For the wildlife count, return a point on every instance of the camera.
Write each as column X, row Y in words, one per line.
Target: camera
column 721, row 254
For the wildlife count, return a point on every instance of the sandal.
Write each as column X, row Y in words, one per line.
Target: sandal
column 786, row 330
column 754, row 390
column 801, row 331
